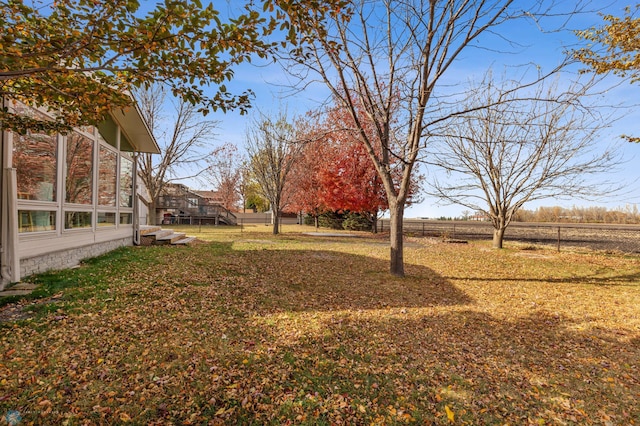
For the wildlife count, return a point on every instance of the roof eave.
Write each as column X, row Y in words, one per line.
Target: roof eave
column 136, row 129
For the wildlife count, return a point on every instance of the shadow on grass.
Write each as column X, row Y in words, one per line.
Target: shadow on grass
column 208, row 334
column 91, row 278
column 322, row 280
column 267, row 279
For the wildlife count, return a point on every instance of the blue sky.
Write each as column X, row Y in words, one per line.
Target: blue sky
column 269, row 82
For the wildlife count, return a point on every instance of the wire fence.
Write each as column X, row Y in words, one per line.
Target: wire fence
column 624, row 238
column 614, row 238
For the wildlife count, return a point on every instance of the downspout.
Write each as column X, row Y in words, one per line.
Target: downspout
column 9, row 261
column 4, row 262
column 11, row 228
column 136, row 202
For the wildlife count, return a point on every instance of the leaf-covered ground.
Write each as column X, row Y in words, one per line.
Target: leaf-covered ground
column 246, row 328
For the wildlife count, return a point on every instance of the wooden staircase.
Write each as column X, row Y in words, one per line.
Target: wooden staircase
column 154, row 235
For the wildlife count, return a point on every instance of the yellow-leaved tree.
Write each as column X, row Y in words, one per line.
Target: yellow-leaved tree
column 614, row 47
column 81, row 58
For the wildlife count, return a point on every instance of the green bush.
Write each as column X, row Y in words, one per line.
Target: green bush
column 331, row 220
column 356, row 222
column 309, row 220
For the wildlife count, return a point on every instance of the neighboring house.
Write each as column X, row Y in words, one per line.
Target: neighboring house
column 479, row 217
column 180, row 204
column 69, row 197
column 211, row 197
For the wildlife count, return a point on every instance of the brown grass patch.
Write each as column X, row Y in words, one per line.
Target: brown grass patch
column 250, row 328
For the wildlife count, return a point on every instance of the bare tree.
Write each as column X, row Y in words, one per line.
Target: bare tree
column 513, row 147
column 225, row 172
column 250, row 190
column 182, row 137
column 391, row 57
column 273, row 148
column 244, row 186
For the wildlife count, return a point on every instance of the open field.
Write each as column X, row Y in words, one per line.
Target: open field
column 248, row 328
column 600, row 236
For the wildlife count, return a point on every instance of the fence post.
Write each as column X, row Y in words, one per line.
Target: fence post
column 558, row 239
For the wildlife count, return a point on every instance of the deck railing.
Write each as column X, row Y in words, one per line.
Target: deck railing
column 195, row 207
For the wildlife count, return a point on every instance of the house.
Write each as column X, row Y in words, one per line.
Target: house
column 180, row 204
column 211, row 197
column 69, row 197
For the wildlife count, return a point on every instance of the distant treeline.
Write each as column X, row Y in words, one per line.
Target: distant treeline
column 628, row 214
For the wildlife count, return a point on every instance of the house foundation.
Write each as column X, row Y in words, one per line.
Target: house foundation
column 68, row 258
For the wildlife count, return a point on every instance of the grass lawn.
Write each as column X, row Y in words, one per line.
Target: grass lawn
column 248, row 328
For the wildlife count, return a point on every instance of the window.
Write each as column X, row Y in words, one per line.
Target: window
column 126, row 218
column 87, row 129
column 36, row 221
column 106, row 219
column 74, row 220
column 79, row 178
column 34, row 158
column 107, row 177
column 126, row 182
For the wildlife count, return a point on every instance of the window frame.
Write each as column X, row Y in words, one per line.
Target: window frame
column 59, row 207
column 80, row 206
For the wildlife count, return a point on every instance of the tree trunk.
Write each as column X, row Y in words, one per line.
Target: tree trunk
column 395, row 239
column 152, row 212
column 276, row 222
column 498, row 237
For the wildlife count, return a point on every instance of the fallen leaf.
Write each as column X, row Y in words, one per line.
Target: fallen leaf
column 450, row 414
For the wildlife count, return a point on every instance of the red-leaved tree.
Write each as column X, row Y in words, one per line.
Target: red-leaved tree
column 335, row 174
column 349, row 179
column 305, row 187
